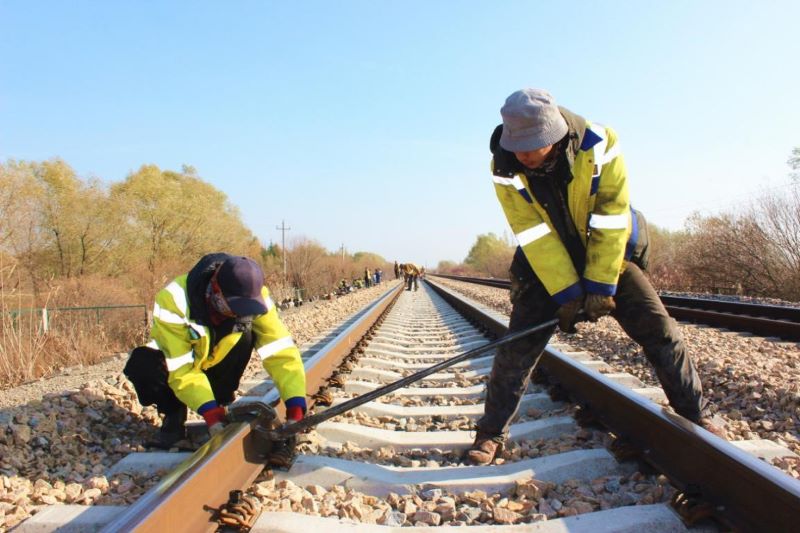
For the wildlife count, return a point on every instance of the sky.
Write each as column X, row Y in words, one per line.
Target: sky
column 366, row 124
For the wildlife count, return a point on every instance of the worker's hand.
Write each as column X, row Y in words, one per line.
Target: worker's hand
column 215, row 419
column 598, row 305
column 567, row 314
column 294, row 414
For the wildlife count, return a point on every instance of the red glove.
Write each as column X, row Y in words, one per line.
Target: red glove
column 215, row 419
column 294, row 413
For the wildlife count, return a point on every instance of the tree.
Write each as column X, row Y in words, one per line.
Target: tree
column 667, row 268
column 305, row 264
column 794, row 164
column 445, row 266
column 170, row 219
column 490, row 255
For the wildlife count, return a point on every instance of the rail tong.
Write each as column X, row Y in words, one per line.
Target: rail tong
column 264, row 417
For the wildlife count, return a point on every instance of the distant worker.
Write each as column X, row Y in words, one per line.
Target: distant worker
column 562, row 183
column 411, row 272
column 396, row 270
column 206, row 324
column 422, row 272
column 344, row 288
column 378, row 276
column 367, row 278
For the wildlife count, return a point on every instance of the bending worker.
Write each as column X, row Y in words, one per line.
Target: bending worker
column 411, row 272
column 206, row 325
column 562, row 183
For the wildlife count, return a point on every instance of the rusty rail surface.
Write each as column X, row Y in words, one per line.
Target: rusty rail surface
column 187, row 499
column 744, row 491
column 764, row 320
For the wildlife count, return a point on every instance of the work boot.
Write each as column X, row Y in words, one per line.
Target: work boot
column 484, row 450
column 173, row 428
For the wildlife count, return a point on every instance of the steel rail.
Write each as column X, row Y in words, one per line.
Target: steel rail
column 186, row 500
column 765, row 320
column 766, row 327
column 775, row 312
column 747, row 493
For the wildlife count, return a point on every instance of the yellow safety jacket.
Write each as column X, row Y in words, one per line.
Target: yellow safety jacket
column 411, row 269
column 187, row 348
column 598, row 203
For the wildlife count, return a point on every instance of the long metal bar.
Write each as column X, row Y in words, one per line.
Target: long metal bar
column 338, row 409
column 747, row 492
column 185, row 500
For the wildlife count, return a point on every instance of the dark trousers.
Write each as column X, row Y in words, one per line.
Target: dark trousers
column 640, row 313
column 412, row 278
column 147, row 371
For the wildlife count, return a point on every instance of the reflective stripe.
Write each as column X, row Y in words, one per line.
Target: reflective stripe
column 609, row 221
column 609, row 156
column 599, row 149
column 532, row 234
column 200, row 330
column 174, row 363
column 274, row 347
column 270, row 304
column 178, row 296
column 514, row 182
column 165, row 315
column 153, row 344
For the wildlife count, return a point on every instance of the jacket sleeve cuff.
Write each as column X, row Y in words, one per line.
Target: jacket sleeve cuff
column 206, row 406
column 297, row 401
column 570, row 293
column 595, row 287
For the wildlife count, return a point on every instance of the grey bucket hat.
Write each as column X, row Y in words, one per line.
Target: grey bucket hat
column 531, row 120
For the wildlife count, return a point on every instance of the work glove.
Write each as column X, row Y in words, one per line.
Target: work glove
column 215, row 419
column 598, row 305
column 567, row 313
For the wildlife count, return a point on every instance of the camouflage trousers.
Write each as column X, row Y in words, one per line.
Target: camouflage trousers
column 640, row 313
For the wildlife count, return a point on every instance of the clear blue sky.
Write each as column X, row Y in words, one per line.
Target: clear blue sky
column 367, row 123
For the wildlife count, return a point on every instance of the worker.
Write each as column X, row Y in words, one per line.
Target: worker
column 562, row 183
column 206, row 324
column 367, row 278
column 396, row 270
column 411, row 272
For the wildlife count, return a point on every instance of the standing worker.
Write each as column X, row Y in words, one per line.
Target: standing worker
column 396, row 270
column 562, row 183
column 206, row 324
column 367, row 278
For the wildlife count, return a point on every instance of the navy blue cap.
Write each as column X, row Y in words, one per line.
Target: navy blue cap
column 241, row 280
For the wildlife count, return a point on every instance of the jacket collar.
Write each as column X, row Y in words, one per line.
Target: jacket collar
column 576, row 126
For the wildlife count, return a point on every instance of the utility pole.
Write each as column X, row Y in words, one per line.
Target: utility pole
column 283, row 229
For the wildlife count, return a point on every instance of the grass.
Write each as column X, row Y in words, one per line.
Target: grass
column 29, row 352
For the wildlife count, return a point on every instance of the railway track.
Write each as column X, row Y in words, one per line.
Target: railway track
column 397, row 461
column 759, row 319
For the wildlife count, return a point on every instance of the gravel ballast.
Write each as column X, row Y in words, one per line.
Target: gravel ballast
column 753, row 382
column 58, row 436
